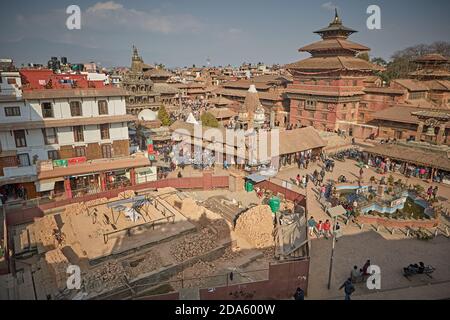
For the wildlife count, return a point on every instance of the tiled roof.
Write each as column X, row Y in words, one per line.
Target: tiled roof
column 383, row 90
column 73, row 93
column 273, row 96
column 333, row 44
column 221, row 113
column 66, row 122
column 399, row 113
column 413, row 154
column 411, row 84
column 334, row 63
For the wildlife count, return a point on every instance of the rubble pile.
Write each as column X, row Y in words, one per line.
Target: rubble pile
column 109, row 276
column 256, row 225
column 195, row 276
column 57, row 263
column 193, row 245
column 151, row 261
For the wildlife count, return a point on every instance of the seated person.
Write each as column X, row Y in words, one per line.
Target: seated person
column 421, row 268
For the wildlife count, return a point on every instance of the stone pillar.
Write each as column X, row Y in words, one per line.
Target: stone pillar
column 441, row 134
column 419, row 131
column 67, row 188
column 133, row 176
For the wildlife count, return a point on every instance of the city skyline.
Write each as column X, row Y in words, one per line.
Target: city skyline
column 180, row 34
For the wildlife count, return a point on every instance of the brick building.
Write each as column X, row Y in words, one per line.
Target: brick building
column 64, row 132
column 328, row 87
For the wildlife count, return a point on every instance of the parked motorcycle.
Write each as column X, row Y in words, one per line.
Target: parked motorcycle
column 420, row 268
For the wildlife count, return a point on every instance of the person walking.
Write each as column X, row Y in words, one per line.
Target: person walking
column 298, row 180
column 337, row 231
column 322, row 192
column 311, row 226
column 304, row 181
column 430, row 192
column 319, row 229
column 435, row 192
column 306, row 163
column 327, row 229
column 349, row 288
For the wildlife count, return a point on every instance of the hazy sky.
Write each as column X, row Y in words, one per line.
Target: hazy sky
column 186, row 32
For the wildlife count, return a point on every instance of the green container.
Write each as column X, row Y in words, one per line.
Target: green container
column 274, row 204
column 249, row 186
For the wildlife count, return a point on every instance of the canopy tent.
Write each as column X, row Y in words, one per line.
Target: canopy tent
column 191, row 119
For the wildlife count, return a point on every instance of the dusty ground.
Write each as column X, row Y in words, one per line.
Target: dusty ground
column 390, row 252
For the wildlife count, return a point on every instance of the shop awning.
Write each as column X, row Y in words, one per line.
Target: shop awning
column 146, row 170
column 257, row 178
column 45, row 185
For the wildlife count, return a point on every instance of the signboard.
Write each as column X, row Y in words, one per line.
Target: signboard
column 397, row 202
column 60, row 163
column 76, row 160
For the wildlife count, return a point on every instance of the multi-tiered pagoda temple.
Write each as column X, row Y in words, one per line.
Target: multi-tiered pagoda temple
column 328, row 86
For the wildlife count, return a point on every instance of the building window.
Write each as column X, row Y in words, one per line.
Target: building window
column 50, row 136
column 23, row 159
column 361, row 115
column 11, row 81
column 78, row 133
column 19, row 137
column 416, row 95
column 106, row 151
column 311, row 114
column 355, row 83
column 310, row 104
column 363, row 105
column 47, row 110
column 53, row 154
column 80, row 151
column 324, row 116
column 102, row 107
column 104, row 131
column 75, row 108
column 12, row 111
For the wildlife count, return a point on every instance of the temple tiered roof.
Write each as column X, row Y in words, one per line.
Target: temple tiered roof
column 334, row 52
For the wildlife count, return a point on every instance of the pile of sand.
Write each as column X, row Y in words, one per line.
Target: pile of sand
column 193, row 245
column 256, row 226
column 44, row 233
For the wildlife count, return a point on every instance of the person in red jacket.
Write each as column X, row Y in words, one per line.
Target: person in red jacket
column 319, row 229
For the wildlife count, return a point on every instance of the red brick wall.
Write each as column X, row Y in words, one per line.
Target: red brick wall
column 398, row 223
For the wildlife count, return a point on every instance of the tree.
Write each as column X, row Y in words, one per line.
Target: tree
column 364, row 56
column 164, row 117
column 209, row 120
column 379, row 61
column 401, row 63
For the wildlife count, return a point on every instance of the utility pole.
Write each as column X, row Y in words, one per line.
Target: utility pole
column 332, row 254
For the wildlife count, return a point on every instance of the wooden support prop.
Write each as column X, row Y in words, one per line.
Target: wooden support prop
column 407, row 232
column 436, row 232
column 393, row 231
